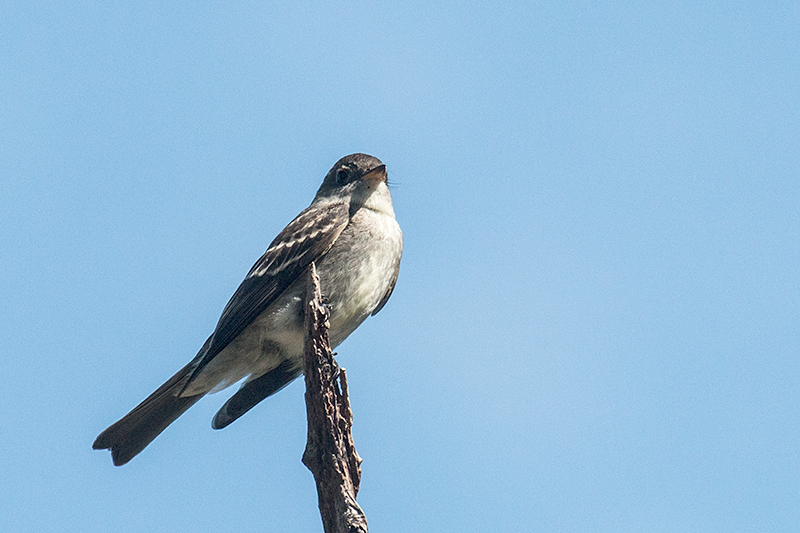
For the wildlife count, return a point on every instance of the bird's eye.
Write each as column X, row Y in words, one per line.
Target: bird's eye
column 341, row 176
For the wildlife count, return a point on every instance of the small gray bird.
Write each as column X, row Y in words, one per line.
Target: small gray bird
column 350, row 232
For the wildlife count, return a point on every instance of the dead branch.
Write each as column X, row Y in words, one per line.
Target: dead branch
column 330, row 453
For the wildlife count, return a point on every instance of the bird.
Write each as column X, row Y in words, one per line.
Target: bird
column 350, row 233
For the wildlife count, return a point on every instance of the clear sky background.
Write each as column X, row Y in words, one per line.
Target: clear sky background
column 596, row 322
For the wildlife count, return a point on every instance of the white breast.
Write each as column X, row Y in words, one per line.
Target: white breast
column 366, row 257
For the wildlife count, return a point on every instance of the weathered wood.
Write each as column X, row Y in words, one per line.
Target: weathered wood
column 330, row 453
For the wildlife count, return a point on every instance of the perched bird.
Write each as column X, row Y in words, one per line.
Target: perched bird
column 349, row 231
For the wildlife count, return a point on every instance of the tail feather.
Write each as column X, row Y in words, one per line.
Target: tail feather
column 256, row 390
column 133, row 432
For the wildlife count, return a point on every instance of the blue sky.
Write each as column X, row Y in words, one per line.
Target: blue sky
column 595, row 326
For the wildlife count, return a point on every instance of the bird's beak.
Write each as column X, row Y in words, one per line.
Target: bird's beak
column 376, row 174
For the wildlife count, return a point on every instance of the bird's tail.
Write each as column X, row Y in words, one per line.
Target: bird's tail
column 133, row 432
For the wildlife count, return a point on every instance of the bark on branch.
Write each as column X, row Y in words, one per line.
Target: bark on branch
column 330, row 452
